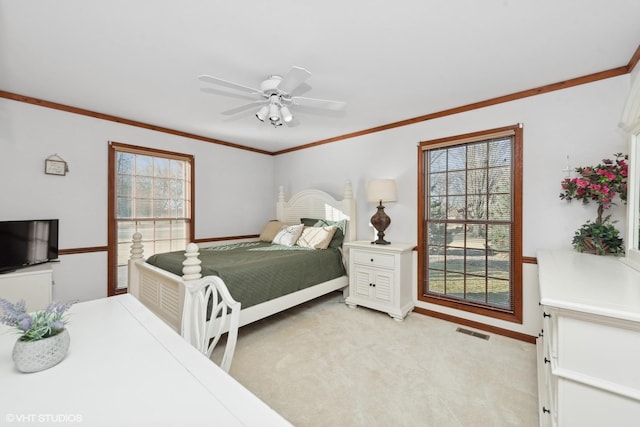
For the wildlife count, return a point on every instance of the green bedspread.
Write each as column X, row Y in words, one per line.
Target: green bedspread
column 256, row 272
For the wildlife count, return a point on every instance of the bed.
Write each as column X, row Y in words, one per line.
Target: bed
column 176, row 298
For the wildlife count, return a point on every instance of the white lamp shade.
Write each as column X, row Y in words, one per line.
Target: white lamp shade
column 286, row 114
column 262, row 114
column 274, row 113
column 382, row 190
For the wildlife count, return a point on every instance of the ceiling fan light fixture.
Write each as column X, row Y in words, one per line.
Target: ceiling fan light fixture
column 274, row 113
column 275, row 95
column 262, row 114
column 286, row 114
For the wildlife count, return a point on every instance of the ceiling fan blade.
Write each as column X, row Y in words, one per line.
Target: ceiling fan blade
column 318, row 103
column 233, row 94
column 217, row 81
column 301, row 90
column 242, row 108
column 294, row 78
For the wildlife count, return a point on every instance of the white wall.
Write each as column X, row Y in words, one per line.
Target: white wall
column 234, row 188
column 580, row 122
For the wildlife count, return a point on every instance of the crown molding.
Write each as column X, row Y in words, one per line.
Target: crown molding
column 607, row 74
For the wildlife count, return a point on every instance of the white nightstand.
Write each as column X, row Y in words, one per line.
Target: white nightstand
column 380, row 277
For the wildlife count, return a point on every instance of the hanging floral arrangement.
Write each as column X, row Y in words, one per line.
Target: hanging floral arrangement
column 599, row 184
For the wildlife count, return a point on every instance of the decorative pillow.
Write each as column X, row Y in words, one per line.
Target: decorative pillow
column 270, row 230
column 341, row 228
column 288, row 235
column 316, row 237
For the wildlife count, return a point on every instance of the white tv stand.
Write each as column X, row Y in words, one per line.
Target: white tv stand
column 32, row 284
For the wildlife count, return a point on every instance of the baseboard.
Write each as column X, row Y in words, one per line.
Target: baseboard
column 477, row 325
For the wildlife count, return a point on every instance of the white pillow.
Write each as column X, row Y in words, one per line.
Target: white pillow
column 316, row 237
column 288, row 236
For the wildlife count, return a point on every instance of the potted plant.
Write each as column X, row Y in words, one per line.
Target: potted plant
column 599, row 184
column 44, row 339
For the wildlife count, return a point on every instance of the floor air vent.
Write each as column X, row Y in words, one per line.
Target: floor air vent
column 473, row 333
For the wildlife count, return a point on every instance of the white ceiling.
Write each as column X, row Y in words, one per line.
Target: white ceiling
column 388, row 60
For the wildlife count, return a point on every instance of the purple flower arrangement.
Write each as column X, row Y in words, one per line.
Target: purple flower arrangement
column 39, row 325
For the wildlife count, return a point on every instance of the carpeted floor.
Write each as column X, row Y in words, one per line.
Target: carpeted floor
column 325, row 364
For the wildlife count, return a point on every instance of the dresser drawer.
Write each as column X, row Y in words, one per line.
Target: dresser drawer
column 373, row 259
column 599, row 348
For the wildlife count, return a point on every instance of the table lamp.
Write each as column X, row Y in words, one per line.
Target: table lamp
column 381, row 190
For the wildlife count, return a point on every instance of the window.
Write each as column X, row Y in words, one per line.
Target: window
column 471, row 220
column 150, row 192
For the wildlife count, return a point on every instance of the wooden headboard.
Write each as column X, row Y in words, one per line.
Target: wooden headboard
column 318, row 204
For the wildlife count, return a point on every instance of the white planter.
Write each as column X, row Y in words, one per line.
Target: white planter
column 34, row 356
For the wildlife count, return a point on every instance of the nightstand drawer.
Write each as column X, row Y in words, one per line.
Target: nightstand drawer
column 373, row 259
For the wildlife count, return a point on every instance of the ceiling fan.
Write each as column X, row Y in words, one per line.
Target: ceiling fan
column 276, row 94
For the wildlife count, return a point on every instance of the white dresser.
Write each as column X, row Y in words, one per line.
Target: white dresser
column 380, row 277
column 589, row 346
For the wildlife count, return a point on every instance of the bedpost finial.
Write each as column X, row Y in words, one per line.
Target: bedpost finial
column 137, row 248
column 348, row 190
column 191, row 265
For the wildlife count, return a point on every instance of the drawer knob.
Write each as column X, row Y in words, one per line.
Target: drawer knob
column 545, row 410
column 547, row 360
column 546, row 315
column 371, row 259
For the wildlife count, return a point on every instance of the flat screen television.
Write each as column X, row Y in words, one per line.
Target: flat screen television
column 26, row 243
